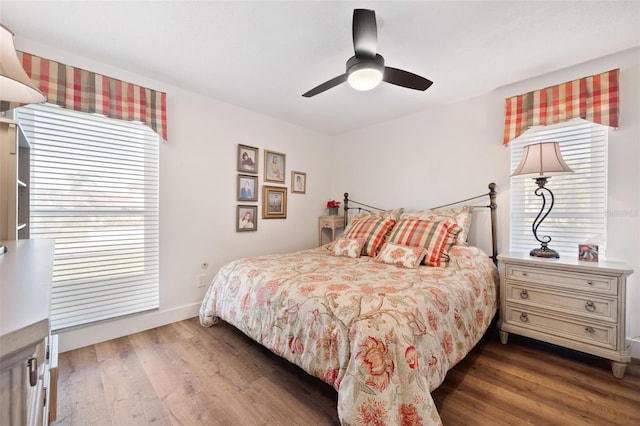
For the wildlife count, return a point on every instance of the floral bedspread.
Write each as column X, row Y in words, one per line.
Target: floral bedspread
column 383, row 336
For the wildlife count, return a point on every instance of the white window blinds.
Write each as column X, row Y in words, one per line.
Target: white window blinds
column 579, row 213
column 94, row 189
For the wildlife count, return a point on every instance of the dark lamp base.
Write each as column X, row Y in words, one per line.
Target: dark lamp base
column 544, row 252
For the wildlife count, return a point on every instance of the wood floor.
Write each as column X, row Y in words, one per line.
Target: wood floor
column 183, row 374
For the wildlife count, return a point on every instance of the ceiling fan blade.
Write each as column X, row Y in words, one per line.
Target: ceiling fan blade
column 326, row 86
column 365, row 33
column 405, row 79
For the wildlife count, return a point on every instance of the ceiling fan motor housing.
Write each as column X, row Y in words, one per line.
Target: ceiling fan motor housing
column 365, row 73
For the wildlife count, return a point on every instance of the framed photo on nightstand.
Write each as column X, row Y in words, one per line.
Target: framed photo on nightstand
column 588, row 252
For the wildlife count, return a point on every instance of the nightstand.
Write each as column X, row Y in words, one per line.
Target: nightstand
column 570, row 303
column 332, row 223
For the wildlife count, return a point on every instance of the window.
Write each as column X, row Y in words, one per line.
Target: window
column 579, row 212
column 94, row 189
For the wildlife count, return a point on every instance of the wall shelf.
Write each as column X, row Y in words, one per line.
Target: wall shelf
column 15, row 153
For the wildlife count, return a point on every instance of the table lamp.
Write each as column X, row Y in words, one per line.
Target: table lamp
column 540, row 161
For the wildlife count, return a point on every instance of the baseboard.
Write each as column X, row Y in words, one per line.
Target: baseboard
column 634, row 347
column 106, row 330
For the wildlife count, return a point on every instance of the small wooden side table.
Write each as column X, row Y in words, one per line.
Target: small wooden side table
column 332, row 223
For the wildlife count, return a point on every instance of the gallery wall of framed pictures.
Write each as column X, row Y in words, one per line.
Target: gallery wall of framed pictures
column 274, row 198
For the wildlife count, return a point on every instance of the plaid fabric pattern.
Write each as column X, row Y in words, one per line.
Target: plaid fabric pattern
column 433, row 236
column 594, row 98
column 373, row 229
column 85, row 91
column 460, row 216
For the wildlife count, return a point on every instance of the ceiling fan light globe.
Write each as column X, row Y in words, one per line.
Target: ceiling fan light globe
column 365, row 78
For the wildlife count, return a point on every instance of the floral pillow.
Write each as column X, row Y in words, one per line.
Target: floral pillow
column 347, row 247
column 460, row 216
column 394, row 254
column 431, row 235
column 373, row 228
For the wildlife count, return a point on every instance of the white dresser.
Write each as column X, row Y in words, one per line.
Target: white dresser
column 566, row 302
column 28, row 352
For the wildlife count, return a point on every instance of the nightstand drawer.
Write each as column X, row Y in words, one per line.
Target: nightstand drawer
column 564, row 280
column 600, row 308
column 587, row 332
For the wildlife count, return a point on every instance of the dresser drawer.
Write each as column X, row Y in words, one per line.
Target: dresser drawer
column 586, row 332
column 601, row 284
column 588, row 306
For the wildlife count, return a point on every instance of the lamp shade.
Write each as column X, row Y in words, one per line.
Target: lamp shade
column 15, row 84
column 541, row 160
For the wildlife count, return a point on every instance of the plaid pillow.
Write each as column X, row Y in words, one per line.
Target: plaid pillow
column 374, row 230
column 393, row 214
column 433, row 236
column 460, row 216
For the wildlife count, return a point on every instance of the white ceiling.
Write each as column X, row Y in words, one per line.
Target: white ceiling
column 263, row 55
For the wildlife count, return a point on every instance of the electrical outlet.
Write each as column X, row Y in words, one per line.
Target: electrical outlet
column 202, row 280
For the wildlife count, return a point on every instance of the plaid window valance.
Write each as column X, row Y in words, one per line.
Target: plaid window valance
column 86, row 91
column 593, row 98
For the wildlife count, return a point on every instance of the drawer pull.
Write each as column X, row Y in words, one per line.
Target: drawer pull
column 32, row 367
column 589, row 330
column 524, row 274
column 524, row 317
column 590, row 282
column 590, row 306
column 524, row 294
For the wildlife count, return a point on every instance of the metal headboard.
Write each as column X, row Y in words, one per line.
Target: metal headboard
column 492, row 194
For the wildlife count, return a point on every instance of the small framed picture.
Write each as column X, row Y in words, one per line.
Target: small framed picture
column 274, row 166
column 298, row 182
column 247, row 188
column 246, row 218
column 588, row 252
column 247, row 159
column 274, row 202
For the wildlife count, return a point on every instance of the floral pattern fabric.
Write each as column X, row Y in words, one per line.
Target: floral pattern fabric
column 383, row 336
column 347, row 247
column 407, row 257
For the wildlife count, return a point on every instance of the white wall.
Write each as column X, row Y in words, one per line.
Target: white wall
column 449, row 153
column 198, row 181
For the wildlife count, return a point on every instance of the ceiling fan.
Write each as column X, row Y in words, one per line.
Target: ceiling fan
column 366, row 69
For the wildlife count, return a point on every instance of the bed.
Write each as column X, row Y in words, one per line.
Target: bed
column 376, row 323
